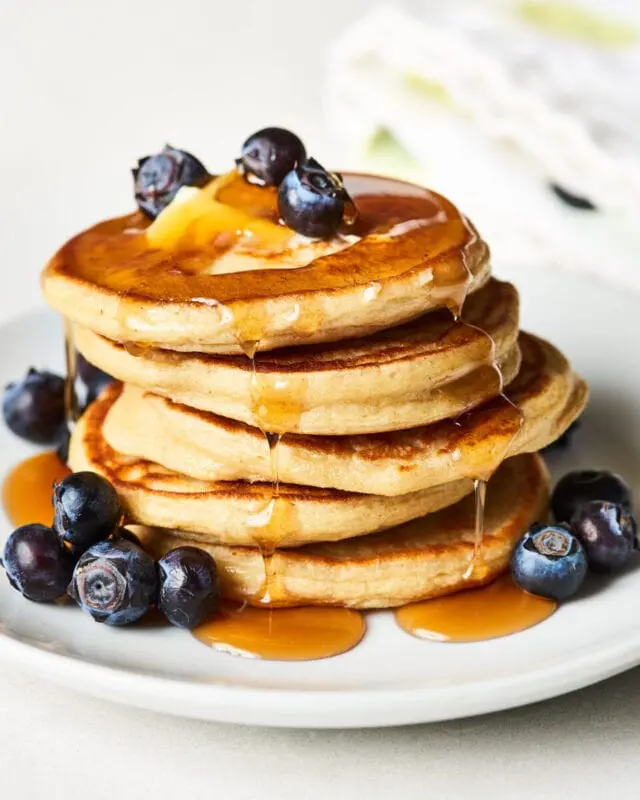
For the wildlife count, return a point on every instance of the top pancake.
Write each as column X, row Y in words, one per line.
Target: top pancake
column 409, row 252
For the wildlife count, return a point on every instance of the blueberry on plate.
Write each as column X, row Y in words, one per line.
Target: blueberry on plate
column 86, row 510
column 607, row 532
column 549, row 561
column 269, row 154
column 189, row 592
column 157, row 178
column 583, row 486
column 312, row 200
column 34, row 407
column 37, row 565
column 115, row 582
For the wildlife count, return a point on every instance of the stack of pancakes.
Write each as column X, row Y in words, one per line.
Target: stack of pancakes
column 315, row 414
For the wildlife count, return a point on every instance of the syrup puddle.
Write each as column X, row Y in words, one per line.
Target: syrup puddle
column 499, row 609
column 28, row 488
column 287, row 634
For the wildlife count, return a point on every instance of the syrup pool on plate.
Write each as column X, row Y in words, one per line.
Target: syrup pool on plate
column 499, row 609
column 28, row 489
column 287, row 634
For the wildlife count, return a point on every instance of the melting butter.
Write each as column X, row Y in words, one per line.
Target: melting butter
column 240, row 240
column 195, row 218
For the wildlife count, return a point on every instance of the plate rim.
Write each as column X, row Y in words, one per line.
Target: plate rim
column 331, row 708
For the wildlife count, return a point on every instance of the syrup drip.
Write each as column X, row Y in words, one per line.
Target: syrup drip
column 277, row 401
column 135, row 349
column 499, row 609
column 480, row 498
column 27, row 489
column 480, row 482
column 72, row 407
column 275, row 413
column 455, row 289
column 273, row 440
column 287, row 634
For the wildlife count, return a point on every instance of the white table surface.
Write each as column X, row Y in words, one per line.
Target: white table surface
column 86, row 88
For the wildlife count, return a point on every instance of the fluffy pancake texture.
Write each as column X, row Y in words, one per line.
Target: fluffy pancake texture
column 546, row 392
column 237, row 512
column 427, row 370
column 424, row 558
column 412, row 252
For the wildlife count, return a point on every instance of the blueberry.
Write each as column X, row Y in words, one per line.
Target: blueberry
column 268, row 155
column 157, row 178
column 585, row 485
column 607, row 532
column 93, row 378
column 86, row 509
column 549, row 561
column 311, row 200
column 115, row 582
column 189, row 587
column 37, row 564
column 34, row 407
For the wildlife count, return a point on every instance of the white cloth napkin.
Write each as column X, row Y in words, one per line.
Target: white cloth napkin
column 493, row 104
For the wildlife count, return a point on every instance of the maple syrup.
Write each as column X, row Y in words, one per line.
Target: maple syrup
column 72, row 409
column 274, row 414
column 28, row 489
column 496, row 610
column 285, row 634
column 480, row 481
column 479, row 502
column 427, row 236
column 278, row 401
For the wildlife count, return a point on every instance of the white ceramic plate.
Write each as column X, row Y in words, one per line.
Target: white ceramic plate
column 391, row 678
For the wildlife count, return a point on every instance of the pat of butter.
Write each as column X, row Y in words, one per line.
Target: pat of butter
column 194, row 219
column 183, row 195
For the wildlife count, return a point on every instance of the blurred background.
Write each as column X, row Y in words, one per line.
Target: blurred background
column 525, row 111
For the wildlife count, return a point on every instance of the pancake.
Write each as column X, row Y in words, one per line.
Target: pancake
column 426, row 370
column 410, row 251
column 238, row 512
column 424, row 558
column 209, row 447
